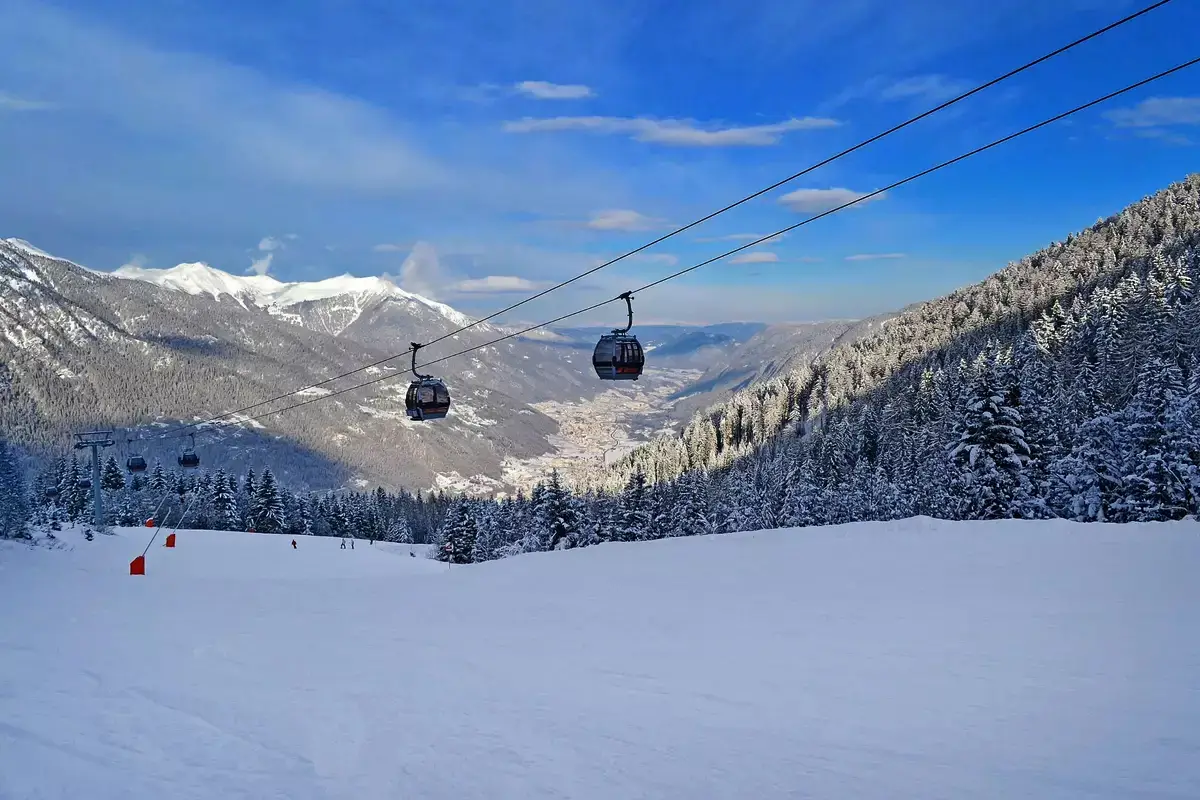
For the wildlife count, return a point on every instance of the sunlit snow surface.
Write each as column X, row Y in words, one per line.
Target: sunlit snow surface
column 909, row 660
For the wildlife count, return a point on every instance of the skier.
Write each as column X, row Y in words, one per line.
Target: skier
column 293, row 544
column 351, row 544
column 343, row 544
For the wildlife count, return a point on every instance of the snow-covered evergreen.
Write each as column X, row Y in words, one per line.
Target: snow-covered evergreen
column 14, row 502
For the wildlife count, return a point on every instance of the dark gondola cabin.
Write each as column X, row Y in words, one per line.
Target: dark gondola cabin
column 84, row 484
column 427, row 398
column 188, row 458
column 618, row 355
column 135, row 464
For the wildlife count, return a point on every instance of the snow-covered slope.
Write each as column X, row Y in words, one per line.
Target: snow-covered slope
column 918, row 659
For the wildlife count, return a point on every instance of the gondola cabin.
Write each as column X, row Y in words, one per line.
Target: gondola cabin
column 84, row 484
column 618, row 357
column 135, row 464
column 427, row 398
column 188, row 458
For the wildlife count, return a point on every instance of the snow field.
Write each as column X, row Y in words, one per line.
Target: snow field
column 919, row 659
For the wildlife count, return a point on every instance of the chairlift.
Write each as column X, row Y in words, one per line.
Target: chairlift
column 188, row 458
column 427, row 397
column 618, row 355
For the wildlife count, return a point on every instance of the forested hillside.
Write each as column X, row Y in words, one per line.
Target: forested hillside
column 217, row 500
column 933, row 338
column 1066, row 385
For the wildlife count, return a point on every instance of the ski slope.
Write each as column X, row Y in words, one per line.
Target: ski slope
column 919, row 659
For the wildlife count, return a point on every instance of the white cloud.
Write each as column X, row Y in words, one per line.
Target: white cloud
column 755, row 257
column 934, row 88
column 389, row 247
column 679, row 133
column 136, row 261
column 543, row 90
column 930, row 88
column 658, row 258
column 269, row 243
column 817, row 200
column 261, row 266
column 10, row 102
column 496, row 284
column 621, row 219
column 742, row 237
column 1155, row 112
column 875, row 256
column 231, row 117
column 422, row 271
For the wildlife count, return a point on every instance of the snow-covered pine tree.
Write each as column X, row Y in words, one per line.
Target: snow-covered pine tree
column 488, row 536
column 224, row 503
column 990, row 447
column 112, row 479
column 690, row 516
column 14, row 502
column 399, row 531
column 246, row 500
column 158, row 480
column 268, row 508
column 1157, row 439
column 559, row 515
column 633, row 523
column 76, row 496
column 456, row 539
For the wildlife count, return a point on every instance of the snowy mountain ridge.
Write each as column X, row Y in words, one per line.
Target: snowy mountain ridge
column 267, row 292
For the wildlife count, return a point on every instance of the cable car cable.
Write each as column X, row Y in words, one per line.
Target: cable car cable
column 941, row 107
column 1057, row 118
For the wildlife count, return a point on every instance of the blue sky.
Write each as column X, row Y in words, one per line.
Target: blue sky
column 478, row 150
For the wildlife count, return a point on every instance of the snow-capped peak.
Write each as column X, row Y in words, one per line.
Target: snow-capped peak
column 267, row 292
column 199, row 278
column 332, row 287
column 30, row 250
column 21, row 244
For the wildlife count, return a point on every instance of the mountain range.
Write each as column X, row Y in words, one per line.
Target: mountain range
column 144, row 350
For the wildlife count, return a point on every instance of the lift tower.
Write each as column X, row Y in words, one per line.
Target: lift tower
column 97, row 440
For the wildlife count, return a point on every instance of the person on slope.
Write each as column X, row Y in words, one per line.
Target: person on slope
column 293, row 544
column 351, row 544
column 343, row 544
